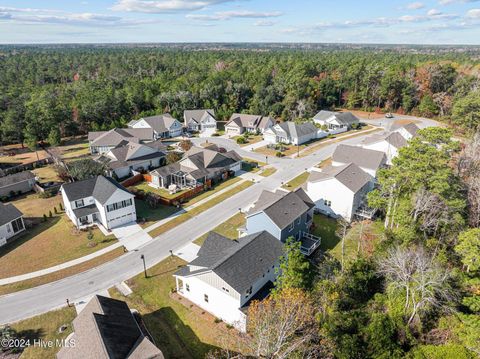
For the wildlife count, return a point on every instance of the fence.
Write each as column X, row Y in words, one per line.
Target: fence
column 26, row 166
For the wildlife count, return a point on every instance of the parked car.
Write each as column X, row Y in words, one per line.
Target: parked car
column 389, row 115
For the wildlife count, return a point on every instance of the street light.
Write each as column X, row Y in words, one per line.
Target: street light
column 266, row 160
column 144, row 266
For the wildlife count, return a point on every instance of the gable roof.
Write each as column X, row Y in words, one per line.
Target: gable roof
column 160, row 123
column 16, row 178
column 362, row 157
column 411, row 128
column 345, row 118
column 106, row 328
column 394, row 139
column 101, row 188
column 294, row 130
column 251, row 121
column 239, row 262
column 117, row 135
column 197, row 115
column 128, row 154
column 350, row 175
column 8, row 212
column 282, row 207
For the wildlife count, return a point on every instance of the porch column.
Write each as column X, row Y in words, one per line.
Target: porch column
column 176, row 282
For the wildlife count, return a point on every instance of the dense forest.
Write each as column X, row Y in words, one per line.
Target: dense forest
column 70, row 90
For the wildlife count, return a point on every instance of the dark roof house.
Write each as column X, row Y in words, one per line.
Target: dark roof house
column 101, row 188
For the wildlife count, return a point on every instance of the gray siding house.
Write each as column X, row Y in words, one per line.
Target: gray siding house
column 284, row 215
column 21, row 182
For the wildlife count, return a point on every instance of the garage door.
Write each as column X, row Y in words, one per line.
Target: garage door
column 119, row 221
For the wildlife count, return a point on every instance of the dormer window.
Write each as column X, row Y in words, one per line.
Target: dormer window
column 79, row 203
column 249, row 291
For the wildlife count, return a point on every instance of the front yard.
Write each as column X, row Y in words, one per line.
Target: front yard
column 152, row 215
column 297, row 182
column 229, row 228
column 178, row 330
column 250, row 139
column 47, row 244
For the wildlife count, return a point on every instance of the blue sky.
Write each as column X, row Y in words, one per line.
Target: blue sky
column 386, row 21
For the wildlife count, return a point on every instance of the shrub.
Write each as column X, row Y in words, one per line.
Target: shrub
column 50, row 214
column 61, row 206
column 217, row 320
column 55, row 210
column 279, row 154
column 44, row 217
column 241, row 140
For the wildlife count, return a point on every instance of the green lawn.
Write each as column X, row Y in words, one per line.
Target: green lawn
column 47, row 174
column 216, row 188
column 47, row 244
column 143, row 186
column 32, row 206
column 74, row 149
column 152, row 215
column 325, row 228
column 268, row 172
column 251, row 139
column 45, row 327
column 297, row 181
column 229, row 228
column 179, row 330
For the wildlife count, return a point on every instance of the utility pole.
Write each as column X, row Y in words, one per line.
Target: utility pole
column 144, row 266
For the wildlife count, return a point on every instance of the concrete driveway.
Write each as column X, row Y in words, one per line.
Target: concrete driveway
column 131, row 235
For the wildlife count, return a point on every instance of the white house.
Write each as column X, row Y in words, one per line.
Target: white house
column 163, row 126
column 201, row 121
column 103, row 141
column 292, row 133
column 99, row 200
column 240, row 123
column 336, row 122
column 11, row 222
column 408, row 131
column 339, row 191
column 368, row 160
column 124, row 159
column 228, row 274
column 389, row 143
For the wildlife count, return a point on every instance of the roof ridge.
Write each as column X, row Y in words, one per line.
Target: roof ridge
column 242, row 246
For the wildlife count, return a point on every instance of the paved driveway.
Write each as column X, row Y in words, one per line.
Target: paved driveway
column 131, row 236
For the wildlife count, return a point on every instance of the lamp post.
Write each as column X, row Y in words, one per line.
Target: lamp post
column 266, row 160
column 144, row 265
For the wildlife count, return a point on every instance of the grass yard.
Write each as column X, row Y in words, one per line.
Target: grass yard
column 48, row 244
column 45, row 327
column 143, row 186
column 74, row 149
column 289, row 150
column 297, row 181
column 22, row 155
column 203, row 207
column 64, row 273
column 47, row 174
column 179, row 331
column 153, row 215
column 325, row 163
column 252, row 139
column 268, row 172
column 229, row 228
column 325, row 228
column 32, row 206
column 220, row 186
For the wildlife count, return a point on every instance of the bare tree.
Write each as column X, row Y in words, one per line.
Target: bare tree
column 417, row 276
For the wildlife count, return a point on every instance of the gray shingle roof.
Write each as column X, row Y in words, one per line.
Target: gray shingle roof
column 197, row 115
column 394, row 138
column 126, row 155
column 117, row 135
column 239, row 262
column 101, row 188
column 411, row 128
column 15, row 178
column 250, row 121
column 345, row 118
column 282, row 207
column 294, row 130
column 362, row 157
column 350, row 175
column 8, row 212
column 160, row 123
column 106, row 329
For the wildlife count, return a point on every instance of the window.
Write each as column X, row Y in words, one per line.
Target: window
column 205, row 298
column 292, row 225
column 298, row 220
column 187, row 287
column 225, row 290
column 327, row 203
column 119, row 205
column 249, row 291
column 79, row 203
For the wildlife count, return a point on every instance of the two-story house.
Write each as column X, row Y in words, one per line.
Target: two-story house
column 98, row 200
column 228, row 274
column 201, row 121
column 408, row 131
column 284, row 214
column 368, row 160
column 11, row 222
column 386, row 142
column 339, row 191
column 163, row 126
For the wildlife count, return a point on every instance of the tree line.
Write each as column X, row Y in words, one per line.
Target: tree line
column 48, row 93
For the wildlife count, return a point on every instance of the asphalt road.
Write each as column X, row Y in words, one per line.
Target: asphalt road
column 31, row 302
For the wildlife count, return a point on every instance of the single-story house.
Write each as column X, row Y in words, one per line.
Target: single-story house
column 336, row 121
column 408, row 131
column 11, row 222
column 240, row 123
column 229, row 274
column 387, row 142
column 202, row 121
column 196, row 167
column 103, row 141
column 106, row 328
column 292, row 133
column 284, row 214
column 98, row 200
column 124, row 159
column 163, row 126
column 368, row 160
column 21, row 182
column 339, row 191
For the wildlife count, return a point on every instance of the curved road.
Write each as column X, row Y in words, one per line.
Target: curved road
column 27, row 303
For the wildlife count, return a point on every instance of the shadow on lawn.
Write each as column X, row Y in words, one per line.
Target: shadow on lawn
column 173, row 337
column 28, row 234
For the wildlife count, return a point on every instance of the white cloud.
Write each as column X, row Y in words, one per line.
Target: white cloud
column 415, row 6
column 226, row 15
column 264, row 23
column 448, row 2
column 473, row 14
column 163, row 6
